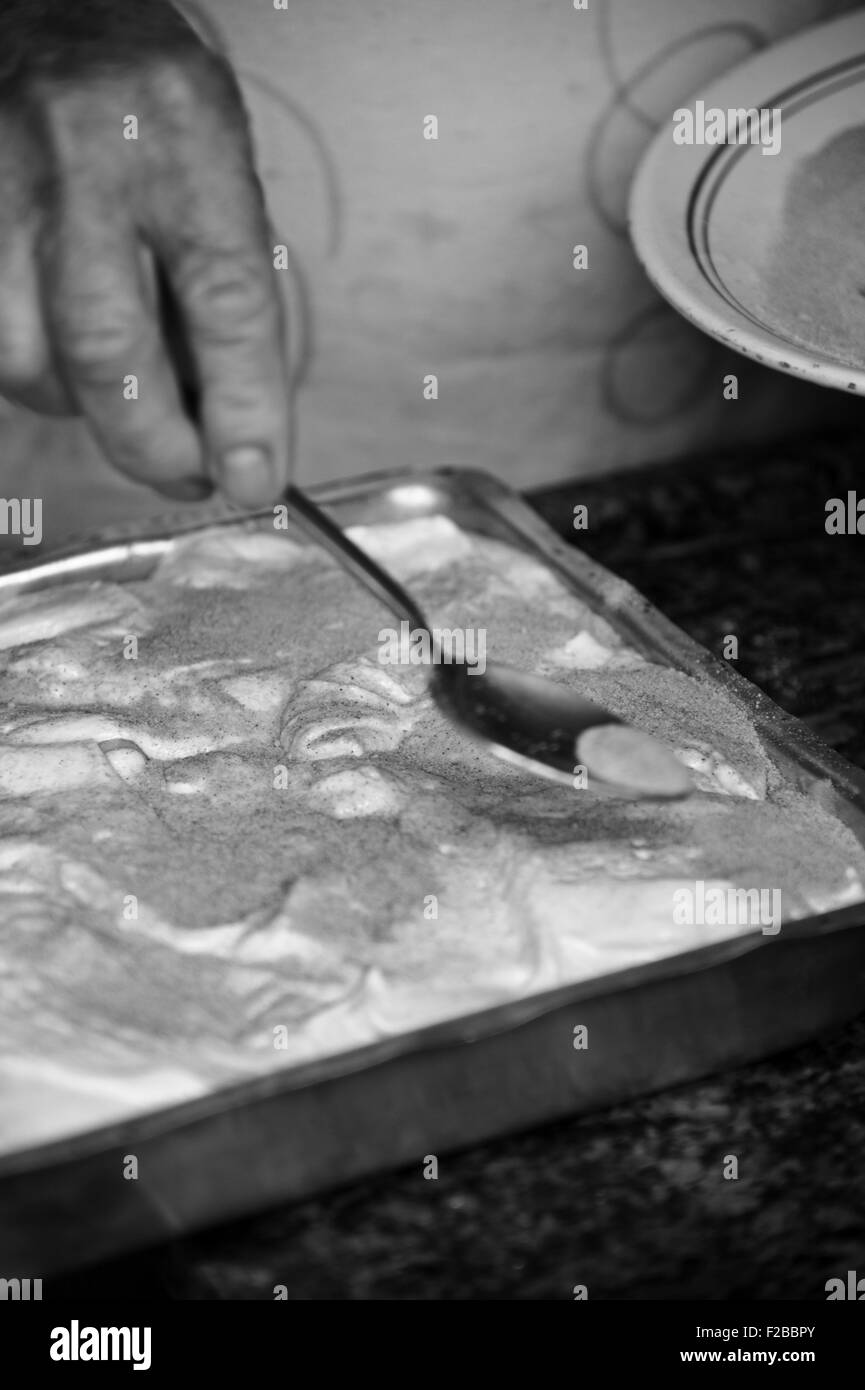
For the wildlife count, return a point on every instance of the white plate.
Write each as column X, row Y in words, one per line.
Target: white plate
column 767, row 251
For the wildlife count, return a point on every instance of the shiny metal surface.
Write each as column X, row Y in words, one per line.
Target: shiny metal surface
column 525, row 719
column 295, row 1132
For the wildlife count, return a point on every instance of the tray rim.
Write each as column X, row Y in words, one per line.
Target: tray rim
column 621, row 601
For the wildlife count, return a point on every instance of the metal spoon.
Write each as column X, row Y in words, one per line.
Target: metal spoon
column 525, row 719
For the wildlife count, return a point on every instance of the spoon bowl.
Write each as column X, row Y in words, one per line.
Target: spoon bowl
column 555, row 732
column 527, row 720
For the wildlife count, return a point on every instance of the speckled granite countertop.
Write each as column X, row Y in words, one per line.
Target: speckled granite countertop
column 631, row 1202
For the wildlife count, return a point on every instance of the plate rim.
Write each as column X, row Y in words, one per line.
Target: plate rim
column 661, row 204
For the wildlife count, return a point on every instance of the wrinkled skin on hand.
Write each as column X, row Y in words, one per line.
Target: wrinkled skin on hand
column 91, row 221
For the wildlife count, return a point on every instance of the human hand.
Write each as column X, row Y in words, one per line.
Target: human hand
column 125, row 158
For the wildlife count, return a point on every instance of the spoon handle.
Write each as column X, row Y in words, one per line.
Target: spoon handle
column 318, row 526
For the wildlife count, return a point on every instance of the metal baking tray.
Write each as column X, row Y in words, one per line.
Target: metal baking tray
column 306, row 1128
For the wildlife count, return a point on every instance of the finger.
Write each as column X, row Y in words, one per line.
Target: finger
column 209, row 227
column 109, row 350
column 26, row 369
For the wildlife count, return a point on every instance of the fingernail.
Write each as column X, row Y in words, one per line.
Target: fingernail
column 248, row 474
column 187, row 489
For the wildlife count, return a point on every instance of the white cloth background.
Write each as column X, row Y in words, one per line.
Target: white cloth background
column 453, row 256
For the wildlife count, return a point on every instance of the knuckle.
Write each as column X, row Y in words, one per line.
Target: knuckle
column 229, row 296
column 170, row 82
column 95, row 338
column 180, row 82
